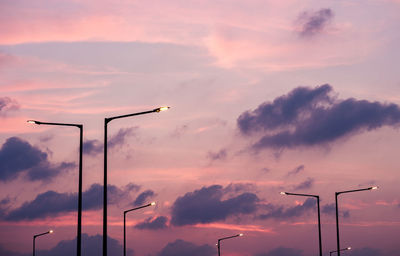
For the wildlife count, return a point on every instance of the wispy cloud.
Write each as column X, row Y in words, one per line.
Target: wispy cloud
column 313, row 23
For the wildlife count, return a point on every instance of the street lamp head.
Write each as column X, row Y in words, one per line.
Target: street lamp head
column 51, row 231
column 375, row 187
column 283, row 193
column 153, row 203
column 240, row 234
column 32, row 121
column 349, row 248
column 162, row 109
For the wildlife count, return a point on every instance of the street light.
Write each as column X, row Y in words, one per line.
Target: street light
column 337, row 211
column 125, row 212
column 319, row 215
column 80, row 126
column 345, row 249
column 34, row 239
column 106, row 121
column 224, row 238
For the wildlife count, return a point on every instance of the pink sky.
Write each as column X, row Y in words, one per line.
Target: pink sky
column 211, row 61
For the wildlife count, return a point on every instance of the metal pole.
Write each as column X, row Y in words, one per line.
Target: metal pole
column 319, row 228
column 124, row 233
column 34, row 238
column 79, row 237
column 337, row 224
column 219, row 245
column 105, row 190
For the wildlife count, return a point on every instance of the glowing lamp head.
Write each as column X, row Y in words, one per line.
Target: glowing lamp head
column 153, row 203
column 51, row 231
column 240, row 234
column 162, row 109
column 375, row 187
column 31, row 121
column 349, row 248
column 283, row 193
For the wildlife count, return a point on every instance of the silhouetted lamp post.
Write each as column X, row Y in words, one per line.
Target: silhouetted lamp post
column 34, row 239
column 345, row 249
column 337, row 212
column 125, row 212
column 80, row 126
column 224, row 238
column 319, row 215
column 106, row 121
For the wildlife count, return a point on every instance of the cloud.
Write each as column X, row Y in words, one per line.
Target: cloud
column 311, row 116
column 282, row 251
column 183, row 248
column 153, row 224
column 206, row 205
column 142, row 197
column 94, row 147
column 330, row 209
column 220, row 155
column 307, row 184
column 18, row 156
column 51, row 203
column 296, row 170
column 278, row 212
column 364, row 252
column 7, row 104
column 313, row 23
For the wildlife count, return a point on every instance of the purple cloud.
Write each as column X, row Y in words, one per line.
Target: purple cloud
column 7, row 104
column 153, row 224
column 311, row 116
column 142, row 197
column 313, row 23
column 206, row 205
column 307, row 184
column 282, row 251
column 19, row 157
column 296, row 170
column 279, row 212
column 220, row 155
column 183, row 248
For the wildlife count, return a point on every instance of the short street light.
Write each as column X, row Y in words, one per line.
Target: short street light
column 106, row 121
column 345, row 249
column 125, row 212
column 224, row 238
column 34, row 239
column 337, row 211
column 79, row 228
column 319, row 215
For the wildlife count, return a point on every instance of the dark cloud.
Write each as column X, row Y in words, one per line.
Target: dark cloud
column 330, row 209
column 206, row 205
column 296, row 170
column 153, row 224
column 220, row 155
column 364, row 252
column 313, row 23
column 183, row 248
column 18, row 156
column 282, row 251
column 279, row 212
column 142, row 197
column 179, row 131
column 307, row 184
column 308, row 117
column 92, row 147
column 7, row 104
column 51, row 203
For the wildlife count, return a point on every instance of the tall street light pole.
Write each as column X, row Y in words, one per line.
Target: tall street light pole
column 80, row 126
column 125, row 212
column 337, row 211
column 224, row 238
column 34, row 240
column 106, row 121
column 345, row 249
column 319, row 215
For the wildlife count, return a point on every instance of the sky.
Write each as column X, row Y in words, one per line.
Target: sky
column 266, row 96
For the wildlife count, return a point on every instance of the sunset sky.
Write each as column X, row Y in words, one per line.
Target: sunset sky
column 266, row 96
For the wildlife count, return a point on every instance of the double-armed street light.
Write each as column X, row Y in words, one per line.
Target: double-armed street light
column 106, row 121
column 337, row 211
column 319, row 215
column 34, row 239
column 80, row 126
column 125, row 212
column 345, row 249
column 224, row 238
